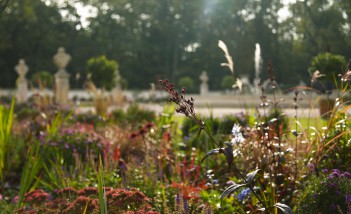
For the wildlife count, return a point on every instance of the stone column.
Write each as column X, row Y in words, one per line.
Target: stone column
column 22, row 85
column 204, row 84
column 61, row 60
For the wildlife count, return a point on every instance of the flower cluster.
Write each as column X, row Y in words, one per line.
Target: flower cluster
column 36, row 196
column 237, row 135
column 185, row 106
column 69, row 200
column 330, row 192
column 336, row 173
column 244, row 194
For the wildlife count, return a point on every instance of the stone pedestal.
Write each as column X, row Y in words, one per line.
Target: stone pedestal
column 22, row 85
column 61, row 59
column 204, row 85
column 62, row 87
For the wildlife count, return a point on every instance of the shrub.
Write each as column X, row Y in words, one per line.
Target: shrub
column 134, row 116
column 329, row 65
column 227, row 82
column 186, row 82
column 328, row 193
column 103, row 72
column 42, row 79
column 75, row 140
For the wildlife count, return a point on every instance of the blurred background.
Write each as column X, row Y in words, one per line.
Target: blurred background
column 153, row 39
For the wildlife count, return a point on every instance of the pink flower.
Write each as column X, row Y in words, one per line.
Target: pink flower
column 15, row 199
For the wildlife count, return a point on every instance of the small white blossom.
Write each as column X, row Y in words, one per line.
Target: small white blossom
column 237, row 135
column 316, row 75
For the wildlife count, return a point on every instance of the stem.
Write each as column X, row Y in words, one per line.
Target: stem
column 249, row 185
column 212, row 139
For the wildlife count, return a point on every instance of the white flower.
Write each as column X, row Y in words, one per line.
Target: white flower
column 316, row 75
column 237, row 135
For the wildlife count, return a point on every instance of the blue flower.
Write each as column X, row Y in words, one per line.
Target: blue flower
column 244, row 193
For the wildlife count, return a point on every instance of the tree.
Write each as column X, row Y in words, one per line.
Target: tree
column 319, row 27
column 227, row 82
column 33, row 30
column 102, row 71
column 186, row 82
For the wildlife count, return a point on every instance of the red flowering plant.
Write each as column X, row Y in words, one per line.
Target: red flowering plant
column 191, row 183
column 69, row 200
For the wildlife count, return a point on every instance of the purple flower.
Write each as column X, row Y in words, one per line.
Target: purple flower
column 335, row 174
column 348, row 198
column 336, row 170
column 177, row 199
column 346, row 174
column 66, row 146
column 325, row 171
column 333, row 185
column 311, row 166
column 215, row 181
column 185, row 206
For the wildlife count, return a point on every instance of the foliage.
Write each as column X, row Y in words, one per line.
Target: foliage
column 68, row 143
column 6, row 118
column 133, row 116
column 327, row 193
column 227, row 82
column 263, row 190
column 103, row 72
column 329, row 65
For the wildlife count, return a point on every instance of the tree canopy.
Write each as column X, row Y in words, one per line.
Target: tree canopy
column 173, row 38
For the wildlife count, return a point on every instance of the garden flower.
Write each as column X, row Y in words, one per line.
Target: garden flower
column 0, row 197
column 237, row 135
column 246, row 192
column 311, row 166
column 347, row 76
column 316, row 75
column 15, row 199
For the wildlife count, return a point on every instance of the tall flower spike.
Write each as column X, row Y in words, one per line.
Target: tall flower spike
column 229, row 63
column 185, row 106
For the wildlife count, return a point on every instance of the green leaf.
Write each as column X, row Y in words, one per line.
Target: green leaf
column 102, row 193
column 212, row 152
column 231, row 189
column 284, row 208
column 251, row 176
